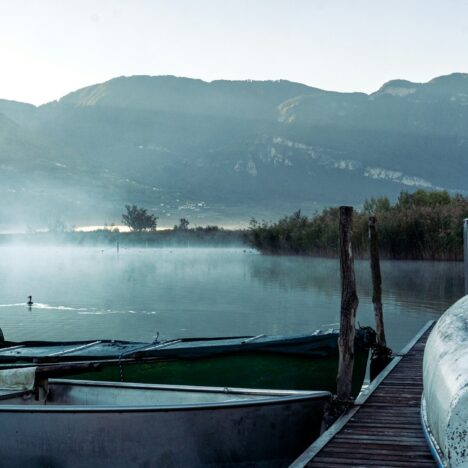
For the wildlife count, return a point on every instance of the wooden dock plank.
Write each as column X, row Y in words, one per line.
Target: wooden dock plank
column 364, row 462
column 383, row 428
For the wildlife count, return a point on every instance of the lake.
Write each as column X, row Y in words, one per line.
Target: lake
column 94, row 293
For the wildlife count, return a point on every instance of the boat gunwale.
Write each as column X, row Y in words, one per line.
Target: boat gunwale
column 275, row 397
column 21, row 361
column 168, row 353
column 265, row 339
column 436, row 451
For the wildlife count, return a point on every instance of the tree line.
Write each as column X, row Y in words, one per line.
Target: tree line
column 139, row 219
column 419, row 226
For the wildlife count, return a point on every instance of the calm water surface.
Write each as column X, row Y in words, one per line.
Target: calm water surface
column 83, row 293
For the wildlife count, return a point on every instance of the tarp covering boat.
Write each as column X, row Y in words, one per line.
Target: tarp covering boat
column 18, row 379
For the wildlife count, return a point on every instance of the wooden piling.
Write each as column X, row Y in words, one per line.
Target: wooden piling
column 376, row 283
column 349, row 303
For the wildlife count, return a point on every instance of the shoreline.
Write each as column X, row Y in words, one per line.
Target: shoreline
column 190, row 238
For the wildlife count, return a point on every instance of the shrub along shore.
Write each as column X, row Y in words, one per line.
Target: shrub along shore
column 419, row 226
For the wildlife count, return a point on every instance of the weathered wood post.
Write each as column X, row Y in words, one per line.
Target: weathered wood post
column 381, row 354
column 376, row 283
column 465, row 251
column 349, row 303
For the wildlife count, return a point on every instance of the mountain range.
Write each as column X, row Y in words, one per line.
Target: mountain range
column 224, row 151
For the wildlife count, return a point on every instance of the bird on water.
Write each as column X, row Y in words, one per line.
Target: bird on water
column 30, row 301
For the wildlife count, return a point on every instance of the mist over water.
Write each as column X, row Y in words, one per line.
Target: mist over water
column 95, row 293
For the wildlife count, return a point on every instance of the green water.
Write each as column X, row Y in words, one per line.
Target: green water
column 255, row 370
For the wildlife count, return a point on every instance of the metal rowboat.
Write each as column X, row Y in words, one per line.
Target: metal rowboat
column 82, row 423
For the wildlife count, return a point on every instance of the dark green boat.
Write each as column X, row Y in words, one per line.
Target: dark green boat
column 301, row 362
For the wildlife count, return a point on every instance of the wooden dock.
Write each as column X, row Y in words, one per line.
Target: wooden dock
column 384, row 427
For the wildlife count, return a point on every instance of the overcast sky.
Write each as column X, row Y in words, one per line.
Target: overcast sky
column 51, row 47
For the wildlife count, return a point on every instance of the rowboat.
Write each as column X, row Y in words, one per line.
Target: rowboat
column 301, row 362
column 444, row 407
column 77, row 423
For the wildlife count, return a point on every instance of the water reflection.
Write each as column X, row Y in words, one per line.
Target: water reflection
column 426, row 285
column 413, row 292
column 84, row 293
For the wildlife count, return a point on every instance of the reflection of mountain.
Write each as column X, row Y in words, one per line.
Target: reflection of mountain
column 228, row 149
column 432, row 285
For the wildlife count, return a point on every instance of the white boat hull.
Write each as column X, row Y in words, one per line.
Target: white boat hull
column 445, row 400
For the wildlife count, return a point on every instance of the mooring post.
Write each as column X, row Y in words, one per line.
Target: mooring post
column 349, row 303
column 376, row 283
column 465, row 251
column 381, row 354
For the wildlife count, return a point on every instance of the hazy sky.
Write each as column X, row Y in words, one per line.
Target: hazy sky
column 51, row 47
